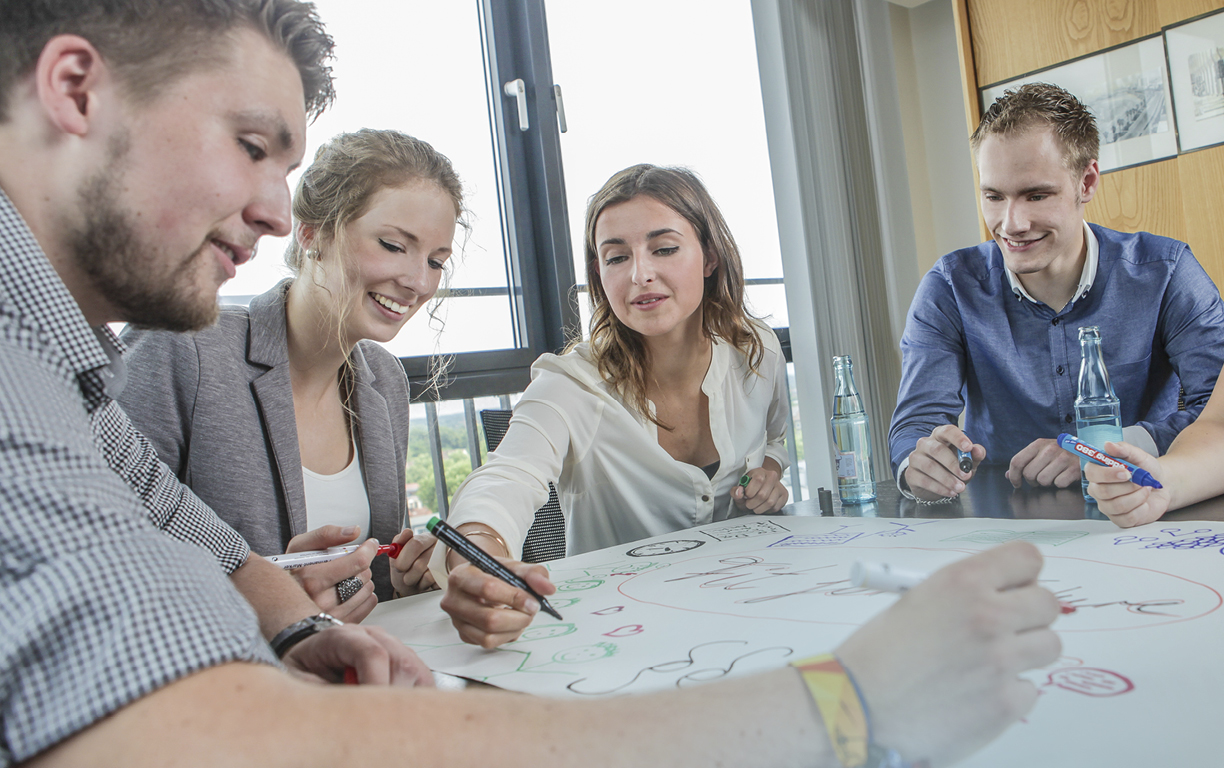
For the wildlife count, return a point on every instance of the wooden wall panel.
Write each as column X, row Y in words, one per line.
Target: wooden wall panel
column 1202, row 195
column 1148, row 198
column 1012, row 37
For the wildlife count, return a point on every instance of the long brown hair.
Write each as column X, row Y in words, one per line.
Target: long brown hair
column 619, row 351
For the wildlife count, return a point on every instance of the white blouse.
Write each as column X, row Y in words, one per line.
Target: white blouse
column 614, row 481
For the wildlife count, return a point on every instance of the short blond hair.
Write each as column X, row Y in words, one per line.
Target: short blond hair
column 1034, row 104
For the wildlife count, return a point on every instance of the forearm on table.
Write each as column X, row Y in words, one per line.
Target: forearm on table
column 240, row 715
column 276, row 596
column 1191, row 466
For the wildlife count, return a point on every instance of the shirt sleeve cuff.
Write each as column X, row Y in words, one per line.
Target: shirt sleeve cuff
column 1140, row 438
column 903, row 486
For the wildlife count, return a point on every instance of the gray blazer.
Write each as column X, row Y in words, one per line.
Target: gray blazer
column 218, row 407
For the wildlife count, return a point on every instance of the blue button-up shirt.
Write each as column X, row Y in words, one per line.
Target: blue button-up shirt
column 1011, row 364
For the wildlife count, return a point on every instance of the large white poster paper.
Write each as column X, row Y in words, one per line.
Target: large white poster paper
column 1140, row 682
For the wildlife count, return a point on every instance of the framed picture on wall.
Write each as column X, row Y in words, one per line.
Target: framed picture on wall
column 1196, row 69
column 1127, row 90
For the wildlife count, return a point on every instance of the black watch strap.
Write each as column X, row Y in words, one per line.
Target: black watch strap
column 300, row 630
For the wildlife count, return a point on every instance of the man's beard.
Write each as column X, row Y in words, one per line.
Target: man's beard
column 132, row 276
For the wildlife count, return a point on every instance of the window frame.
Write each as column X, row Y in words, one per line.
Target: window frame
column 534, row 215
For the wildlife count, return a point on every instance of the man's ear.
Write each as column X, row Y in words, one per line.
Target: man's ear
column 1089, row 181
column 67, row 76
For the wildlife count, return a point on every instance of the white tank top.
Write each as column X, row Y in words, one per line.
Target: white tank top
column 338, row 499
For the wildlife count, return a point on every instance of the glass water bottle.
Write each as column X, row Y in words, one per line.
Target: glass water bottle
column 1098, row 413
column 851, row 437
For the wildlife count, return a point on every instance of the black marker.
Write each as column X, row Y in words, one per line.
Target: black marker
column 965, row 459
column 483, row 560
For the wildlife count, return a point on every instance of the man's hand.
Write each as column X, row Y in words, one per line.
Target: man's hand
column 969, row 631
column 410, row 568
column 1121, row 500
column 319, row 581
column 378, row 657
column 1044, row 462
column 764, row 492
column 933, row 471
column 486, row 610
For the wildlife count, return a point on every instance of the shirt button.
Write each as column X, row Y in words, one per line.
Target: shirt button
column 705, row 498
column 1054, row 321
column 1060, row 370
column 1070, row 418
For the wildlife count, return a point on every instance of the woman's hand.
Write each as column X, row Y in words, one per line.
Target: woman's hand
column 952, row 683
column 486, row 610
column 320, row 581
column 410, row 569
column 1121, row 500
column 764, row 492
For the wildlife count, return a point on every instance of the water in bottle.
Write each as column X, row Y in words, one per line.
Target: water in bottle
column 851, row 437
column 1098, row 413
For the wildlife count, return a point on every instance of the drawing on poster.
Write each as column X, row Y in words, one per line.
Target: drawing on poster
column 1089, row 681
column 701, row 664
column 759, row 593
column 847, row 533
column 743, row 530
column 991, row 538
column 1176, row 538
column 671, row 547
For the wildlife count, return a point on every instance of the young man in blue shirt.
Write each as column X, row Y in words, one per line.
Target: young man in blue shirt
column 993, row 329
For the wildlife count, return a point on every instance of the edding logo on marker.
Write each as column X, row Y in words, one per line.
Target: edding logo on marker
column 1139, row 476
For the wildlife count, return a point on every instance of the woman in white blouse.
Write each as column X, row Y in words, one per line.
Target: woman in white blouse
column 648, row 427
column 285, row 416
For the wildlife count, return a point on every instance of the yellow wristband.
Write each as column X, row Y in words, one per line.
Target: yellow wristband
column 841, row 707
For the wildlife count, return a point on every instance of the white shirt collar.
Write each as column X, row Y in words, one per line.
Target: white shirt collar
column 1087, row 276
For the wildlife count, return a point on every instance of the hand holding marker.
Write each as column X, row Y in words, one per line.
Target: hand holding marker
column 886, row 578
column 964, row 460
column 1097, row 456
column 484, row 561
column 291, row 560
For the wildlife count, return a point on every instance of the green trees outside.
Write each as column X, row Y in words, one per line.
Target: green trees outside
column 455, row 458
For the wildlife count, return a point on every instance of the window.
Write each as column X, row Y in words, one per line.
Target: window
column 670, row 84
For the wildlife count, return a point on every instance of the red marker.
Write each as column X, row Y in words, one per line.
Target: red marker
column 302, row 559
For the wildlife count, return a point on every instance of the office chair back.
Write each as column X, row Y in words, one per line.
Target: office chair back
column 546, row 537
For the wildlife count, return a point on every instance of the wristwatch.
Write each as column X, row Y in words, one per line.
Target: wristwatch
column 300, row 630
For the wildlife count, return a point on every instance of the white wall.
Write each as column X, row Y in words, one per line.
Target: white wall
column 944, row 201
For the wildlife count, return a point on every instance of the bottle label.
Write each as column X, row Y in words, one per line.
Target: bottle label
column 846, row 465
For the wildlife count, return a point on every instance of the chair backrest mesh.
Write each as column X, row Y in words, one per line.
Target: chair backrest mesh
column 546, row 537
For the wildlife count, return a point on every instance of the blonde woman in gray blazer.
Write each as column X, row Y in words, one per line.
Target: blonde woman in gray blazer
column 270, row 414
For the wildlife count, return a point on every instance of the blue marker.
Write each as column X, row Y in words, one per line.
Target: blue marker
column 964, row 460
column 1097, row 456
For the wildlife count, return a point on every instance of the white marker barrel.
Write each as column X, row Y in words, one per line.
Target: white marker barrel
column 884, row 577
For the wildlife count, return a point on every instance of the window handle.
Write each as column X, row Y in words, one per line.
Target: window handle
column 518, row 90
column 560, row 108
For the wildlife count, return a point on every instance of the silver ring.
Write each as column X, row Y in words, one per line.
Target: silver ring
column 349, row 587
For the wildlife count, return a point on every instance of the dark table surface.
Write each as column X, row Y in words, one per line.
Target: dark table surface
column 990, row 494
